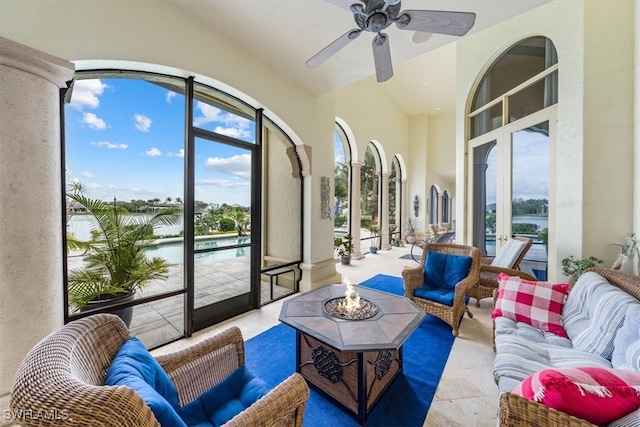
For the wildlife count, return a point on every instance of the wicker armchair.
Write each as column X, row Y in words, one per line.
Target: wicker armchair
column 414, row 279
column 62, row 377
column 516, row 411
column 489, row 273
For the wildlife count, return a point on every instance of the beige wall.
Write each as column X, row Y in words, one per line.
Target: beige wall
column 593, row 178
column 103, row 30
column 636, row 122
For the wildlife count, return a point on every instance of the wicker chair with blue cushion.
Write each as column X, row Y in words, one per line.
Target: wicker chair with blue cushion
column 507, row 261
column 440, row 283
column 91, row 372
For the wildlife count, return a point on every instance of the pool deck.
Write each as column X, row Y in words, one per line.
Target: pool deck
column 216, row 280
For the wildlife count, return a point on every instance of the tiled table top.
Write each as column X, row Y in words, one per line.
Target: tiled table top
column 397, row 318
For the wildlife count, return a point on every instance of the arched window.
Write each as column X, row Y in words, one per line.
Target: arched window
column 136, row 144
column 433, row 205
column 370, row 192
column 342, row 180
column 445, row 207
column 512, row 122
column 395, row 201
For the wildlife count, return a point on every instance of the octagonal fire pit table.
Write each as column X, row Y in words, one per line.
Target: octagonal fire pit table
column 350, row 361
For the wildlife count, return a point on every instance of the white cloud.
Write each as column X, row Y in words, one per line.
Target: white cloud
column 143, row 123
column 170, row 96
column 239, row 165
column 222, row 183
column 93, row 121
column 87, row 174
column 109, row 145
column 85, row 93
column 232, row 132
column 234, row 126
column 153, row 152
column 180, row 154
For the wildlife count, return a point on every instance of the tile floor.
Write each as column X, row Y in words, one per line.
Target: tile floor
column 466, row 395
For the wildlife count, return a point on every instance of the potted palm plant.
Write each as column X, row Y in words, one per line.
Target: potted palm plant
column 115, row 264
column 344, row 247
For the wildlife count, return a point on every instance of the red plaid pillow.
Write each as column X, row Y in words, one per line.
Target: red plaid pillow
column 537, row 303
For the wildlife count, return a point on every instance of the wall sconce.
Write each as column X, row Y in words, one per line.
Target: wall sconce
column 416, row 205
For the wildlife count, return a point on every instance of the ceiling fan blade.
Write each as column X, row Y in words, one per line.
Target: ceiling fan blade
column 333, row 47
column 382, row 57
column 436, row 21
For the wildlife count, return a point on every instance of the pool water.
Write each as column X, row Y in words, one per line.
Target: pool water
column 173, row 251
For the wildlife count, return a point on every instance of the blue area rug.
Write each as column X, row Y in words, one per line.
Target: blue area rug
column 271, row 356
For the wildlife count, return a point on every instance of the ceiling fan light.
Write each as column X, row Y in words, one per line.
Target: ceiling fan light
column 420, row 37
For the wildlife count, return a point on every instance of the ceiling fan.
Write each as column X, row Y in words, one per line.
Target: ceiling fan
column 376, row 15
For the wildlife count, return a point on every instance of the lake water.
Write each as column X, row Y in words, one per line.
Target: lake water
column 540, row 221
column 81, row 225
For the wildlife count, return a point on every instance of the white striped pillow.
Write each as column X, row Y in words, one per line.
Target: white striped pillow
column 626, row 345
column 509, row 253
column 593, row 313
column 630, row 420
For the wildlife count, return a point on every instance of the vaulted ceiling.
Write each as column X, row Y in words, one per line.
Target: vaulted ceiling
column 285, row 34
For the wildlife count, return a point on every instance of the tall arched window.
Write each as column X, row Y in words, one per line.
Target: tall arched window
column 370, row 193
column 395, row 201
column 342, row 180
column 433, row 205
column 445, row 207
column 512, row 121
column 136, row 144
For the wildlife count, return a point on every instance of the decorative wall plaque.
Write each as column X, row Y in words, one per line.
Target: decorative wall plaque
column 325, row 197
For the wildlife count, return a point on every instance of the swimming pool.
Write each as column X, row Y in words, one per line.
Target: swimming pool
column 172, row 249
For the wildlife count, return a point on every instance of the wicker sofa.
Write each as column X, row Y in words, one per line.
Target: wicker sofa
column 521, row 350
column 63, row 379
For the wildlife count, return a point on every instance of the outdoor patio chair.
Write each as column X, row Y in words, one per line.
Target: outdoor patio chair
column 63, row 379
column 507, row 261
column 440, row 282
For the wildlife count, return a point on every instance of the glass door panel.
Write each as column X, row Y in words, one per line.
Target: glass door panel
column 485, row 188
column 222, row 241
column 530, row 193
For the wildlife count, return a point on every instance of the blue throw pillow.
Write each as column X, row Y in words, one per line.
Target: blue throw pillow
column 225, row 400
column 136, row 368
column 445, row 270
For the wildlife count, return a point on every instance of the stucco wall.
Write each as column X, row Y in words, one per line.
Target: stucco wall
column 103, row 30
column 594, row 200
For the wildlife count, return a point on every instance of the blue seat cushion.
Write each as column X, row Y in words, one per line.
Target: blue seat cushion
column 441, row 295
column 444, row 271
column 135, row 367
column 224, row 401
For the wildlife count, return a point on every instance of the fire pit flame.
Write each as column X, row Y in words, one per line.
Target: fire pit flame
column 351, row 306
column 351, row 302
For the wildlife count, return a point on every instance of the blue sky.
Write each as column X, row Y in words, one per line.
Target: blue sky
column 125, row 139
column 530, row 167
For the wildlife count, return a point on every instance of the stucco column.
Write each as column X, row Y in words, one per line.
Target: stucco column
column 384, row 221
column 31, row 288
column 406, row 209
column 354, row 209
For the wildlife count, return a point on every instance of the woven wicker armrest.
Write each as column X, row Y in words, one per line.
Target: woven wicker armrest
column 489, row 275
column 413, row 279
column 486, row 260
column 282, row 406
column 201, row 366
column 516, row 411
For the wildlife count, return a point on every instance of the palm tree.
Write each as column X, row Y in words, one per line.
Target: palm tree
column 115, row 263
